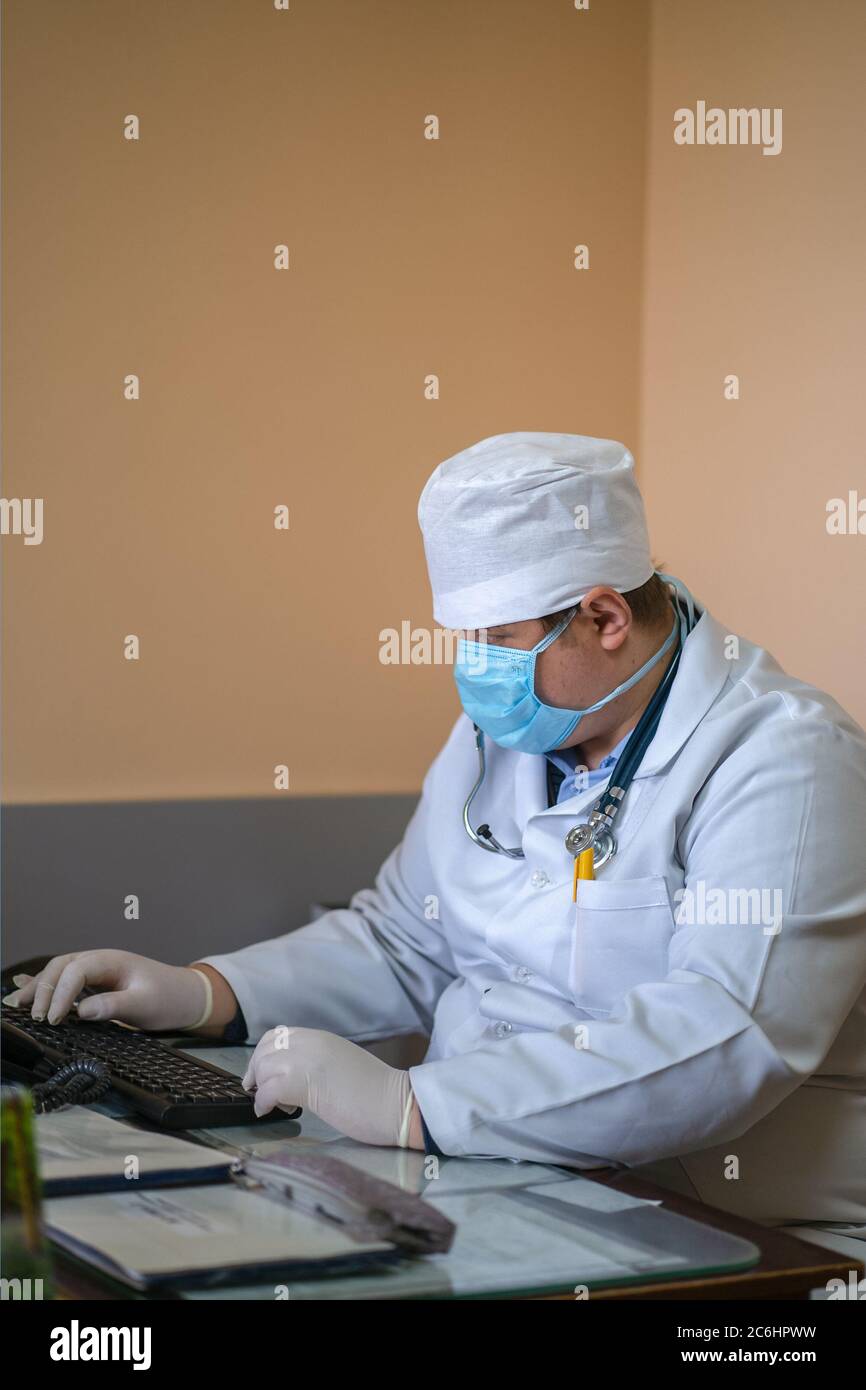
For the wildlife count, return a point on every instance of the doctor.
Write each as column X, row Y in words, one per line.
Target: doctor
column 702, row 1001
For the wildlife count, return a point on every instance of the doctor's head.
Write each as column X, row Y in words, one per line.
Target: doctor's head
column 537, row 551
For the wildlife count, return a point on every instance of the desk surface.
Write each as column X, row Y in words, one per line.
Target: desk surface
column 786, row 1268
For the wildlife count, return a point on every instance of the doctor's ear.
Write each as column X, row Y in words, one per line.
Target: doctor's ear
column 610, row 615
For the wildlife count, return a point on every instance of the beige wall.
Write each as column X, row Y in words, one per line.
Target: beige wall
column 408, row 257
column 755, row 266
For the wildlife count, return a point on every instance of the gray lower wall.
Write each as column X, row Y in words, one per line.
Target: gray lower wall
column 210, row 875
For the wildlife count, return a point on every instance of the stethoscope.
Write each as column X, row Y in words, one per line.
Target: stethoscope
column 596, row 832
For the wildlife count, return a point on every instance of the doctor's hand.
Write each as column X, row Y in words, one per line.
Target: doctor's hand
column 340, row 1082
column 133, row 989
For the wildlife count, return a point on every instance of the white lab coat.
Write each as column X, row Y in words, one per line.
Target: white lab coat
column 610, row 1032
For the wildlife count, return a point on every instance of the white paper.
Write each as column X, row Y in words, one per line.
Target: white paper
column 194, row 1228
column 503, row 1244
column 583, row 1192
column 79, row 1142
column 489, row 1175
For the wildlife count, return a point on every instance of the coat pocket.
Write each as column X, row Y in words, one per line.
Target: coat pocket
column 622, row 933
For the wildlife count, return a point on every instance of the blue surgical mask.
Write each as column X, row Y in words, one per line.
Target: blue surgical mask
column 497, row 690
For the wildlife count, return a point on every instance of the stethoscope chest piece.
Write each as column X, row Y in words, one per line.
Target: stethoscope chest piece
column 586, row 836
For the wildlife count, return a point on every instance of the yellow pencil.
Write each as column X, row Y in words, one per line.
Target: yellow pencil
column 584, row 867
column 586, row 863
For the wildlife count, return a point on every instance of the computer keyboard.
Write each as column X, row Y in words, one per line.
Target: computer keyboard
column 169, row 1089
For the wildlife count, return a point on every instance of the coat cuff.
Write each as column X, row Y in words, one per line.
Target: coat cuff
column 433, row 1107
column 430, row 1145
column 236, row 1031
column 238, row 982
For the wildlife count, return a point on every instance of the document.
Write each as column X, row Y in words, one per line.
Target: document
column 595, row 1196
column 202, row 1236
column 503, row 1243
column 81, row 1150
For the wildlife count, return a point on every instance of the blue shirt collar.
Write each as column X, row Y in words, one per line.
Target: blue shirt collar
column 566, row 758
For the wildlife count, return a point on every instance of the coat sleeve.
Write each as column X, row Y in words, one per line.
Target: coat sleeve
column 372, row 970
column 744, row 1014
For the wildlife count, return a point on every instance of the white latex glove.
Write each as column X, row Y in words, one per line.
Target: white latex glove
column 340, row 1082
column 143, row 992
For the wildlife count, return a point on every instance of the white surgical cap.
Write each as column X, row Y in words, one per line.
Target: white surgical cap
column 506, row 536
